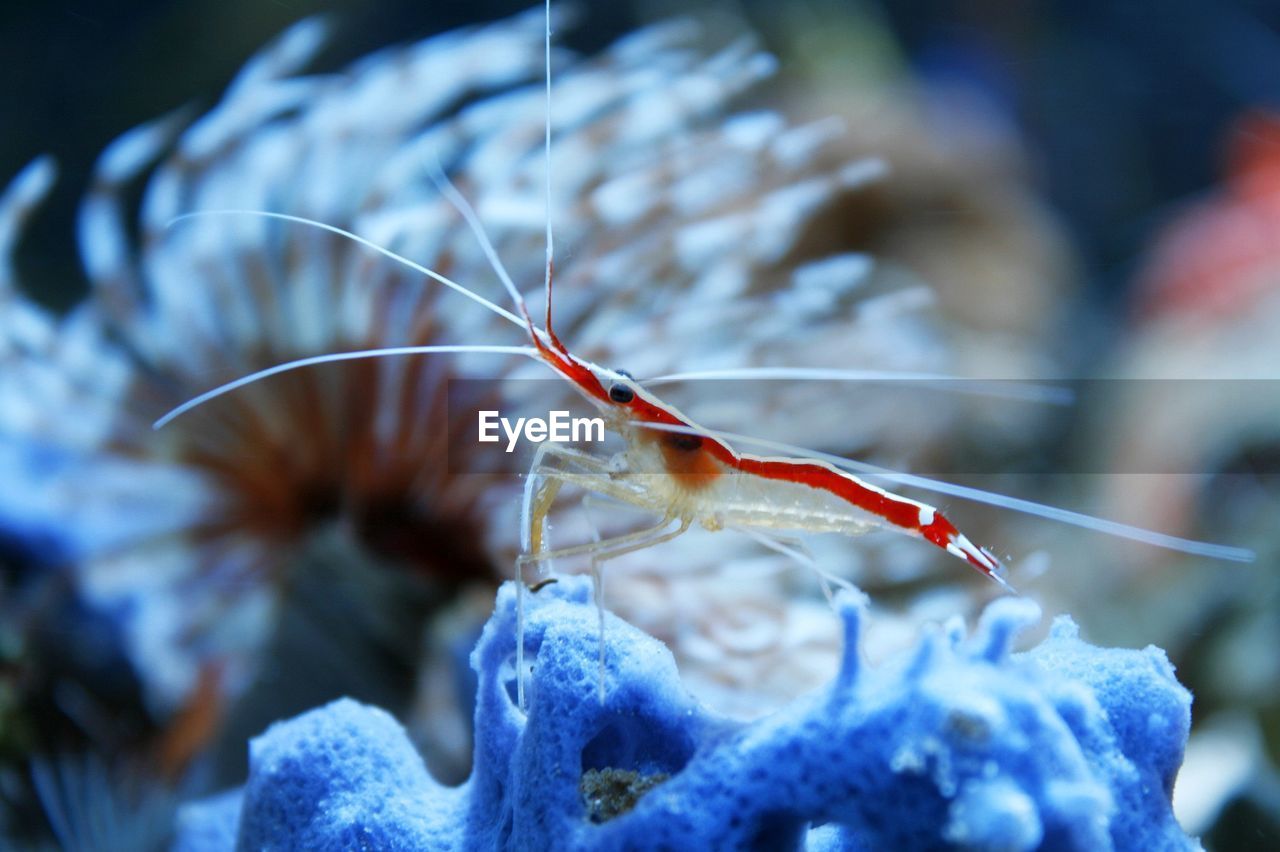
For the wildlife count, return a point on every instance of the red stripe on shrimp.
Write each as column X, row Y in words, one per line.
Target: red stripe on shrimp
column 909, row 515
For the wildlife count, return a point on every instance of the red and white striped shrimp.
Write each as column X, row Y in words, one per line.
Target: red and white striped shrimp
column 702, row 479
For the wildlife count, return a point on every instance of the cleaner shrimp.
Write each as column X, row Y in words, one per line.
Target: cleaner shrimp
column 674, row 469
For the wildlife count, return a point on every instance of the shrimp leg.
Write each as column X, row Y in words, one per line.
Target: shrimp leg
column 798, row 552
column 597, row 575
column 541, row 487
column 599, row 551
column 605, row 553
column 610, row 547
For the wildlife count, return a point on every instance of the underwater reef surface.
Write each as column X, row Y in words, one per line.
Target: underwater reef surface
column 959, row 743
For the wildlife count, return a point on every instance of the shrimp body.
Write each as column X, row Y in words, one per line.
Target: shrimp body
column 681, row 471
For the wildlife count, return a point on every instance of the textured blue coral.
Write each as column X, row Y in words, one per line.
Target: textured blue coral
column 959, row 744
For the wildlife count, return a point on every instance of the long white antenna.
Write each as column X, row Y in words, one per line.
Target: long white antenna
column 369, row 244
column 468, row 213
column 546, row 146
column 1013, row 389
column 527, row 351
column 528, row 487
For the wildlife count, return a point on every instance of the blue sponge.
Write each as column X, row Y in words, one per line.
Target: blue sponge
column 959, row 744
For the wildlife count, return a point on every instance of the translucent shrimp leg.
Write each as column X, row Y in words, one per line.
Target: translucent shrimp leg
column 597, row 562
column 590, row 500
column 599, row 551
column 541, row 487
column 610, row 548
column 597, row 576
column 798, row 552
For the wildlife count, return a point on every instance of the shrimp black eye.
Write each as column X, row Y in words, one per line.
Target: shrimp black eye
column 622, row 394
column 684, row 443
